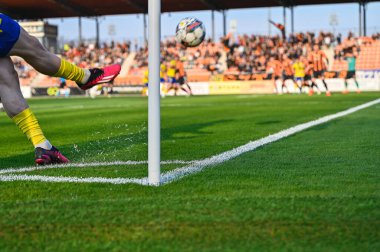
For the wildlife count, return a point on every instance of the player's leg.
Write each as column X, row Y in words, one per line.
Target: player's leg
column 300, row 84
column 357, row 84
column 276, row 85
column 314, row 84
column 188, row 86
column 353, row 77
column 290, row 78
column 311, row 87
column 345, row 91
column 328, row 93
column 274, row 79
column 305, row 86
column 10, row 91
column 176, row 88
column 17, row 108
column 186, row 83
column 185, row 90
column 29, row 48
column 144, row 91
column 275, row 89
column 170, row 84
column 184, row 87
column 283, row 85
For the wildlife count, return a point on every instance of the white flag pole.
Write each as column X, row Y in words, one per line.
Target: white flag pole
column 154, row 124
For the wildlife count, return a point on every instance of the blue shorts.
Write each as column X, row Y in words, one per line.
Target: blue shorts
column 298, row 78
column 172, row 80
column 9, row 34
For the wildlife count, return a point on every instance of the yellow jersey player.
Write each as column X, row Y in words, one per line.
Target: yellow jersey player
column 162, row 81
column 299, row 72
column 172, row 75
column 15, row 41
column 145, row 82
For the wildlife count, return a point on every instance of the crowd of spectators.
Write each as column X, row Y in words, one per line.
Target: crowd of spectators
column 251, row 53
column 89, row 55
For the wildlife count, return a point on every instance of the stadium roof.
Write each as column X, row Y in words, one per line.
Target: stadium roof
column 32, row 9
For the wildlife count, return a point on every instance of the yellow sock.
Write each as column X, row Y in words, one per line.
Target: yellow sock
column 70, row 71
column 28, row 124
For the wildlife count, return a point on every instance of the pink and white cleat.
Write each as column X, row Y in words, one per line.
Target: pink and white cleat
column 46, row 157
column 101, row 75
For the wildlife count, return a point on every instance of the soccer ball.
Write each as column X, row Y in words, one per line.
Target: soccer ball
column 190, row 32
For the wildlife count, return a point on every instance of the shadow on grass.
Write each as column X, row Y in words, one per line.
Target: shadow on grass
column 268, row 122
column 189, row 131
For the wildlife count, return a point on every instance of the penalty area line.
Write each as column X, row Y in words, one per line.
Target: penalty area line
column 179, row 173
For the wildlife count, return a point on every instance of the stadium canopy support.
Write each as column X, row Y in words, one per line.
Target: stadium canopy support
column 364, row 18
column 213, row 25
column 292, row 18
column 80, row 30
column 97, row 32
column 360, row 20
column 145, row 28
column 154, row 118
column 224, row 23
column 284, row 17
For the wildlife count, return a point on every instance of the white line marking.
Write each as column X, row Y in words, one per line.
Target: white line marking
column 85, row 165
column 225, row 156
column 14, row 177
column 197, row 166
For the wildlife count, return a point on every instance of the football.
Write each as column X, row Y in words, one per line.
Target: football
column 190, row 32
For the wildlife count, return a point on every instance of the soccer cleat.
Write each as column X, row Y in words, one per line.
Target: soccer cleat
column 328, row 93
column 46, row 157
column 345, row 91
column 101, row 75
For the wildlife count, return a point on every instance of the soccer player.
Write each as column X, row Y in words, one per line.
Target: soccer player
column 145, row 91
column 275, row 72
column 287, row 72
column 299, row 72
column 172, row 75
column 351, row 73
column 145, row 82
column 182, row 77
column 309, row 72
column 15, row 41
column 320, row 61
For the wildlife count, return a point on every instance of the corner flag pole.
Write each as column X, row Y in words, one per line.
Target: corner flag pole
column 154, row 124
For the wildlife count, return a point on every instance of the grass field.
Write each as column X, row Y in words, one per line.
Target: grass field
column 317, row 190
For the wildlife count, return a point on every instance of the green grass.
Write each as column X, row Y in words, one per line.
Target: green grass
column 317, row 190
